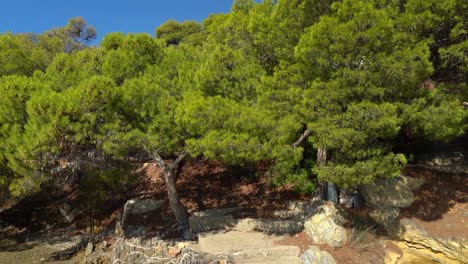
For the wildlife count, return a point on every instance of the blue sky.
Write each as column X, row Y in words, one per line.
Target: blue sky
column 127, row 16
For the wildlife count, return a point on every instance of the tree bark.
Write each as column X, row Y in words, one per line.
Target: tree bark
column 328, row 190
column 169, row 177
column 174, row 201
column 321, row 156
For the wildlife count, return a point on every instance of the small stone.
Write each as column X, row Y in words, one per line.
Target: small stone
column 71, row 217
column 174, row 251
column 89, row 249
column 65, row 209
column 181, row 245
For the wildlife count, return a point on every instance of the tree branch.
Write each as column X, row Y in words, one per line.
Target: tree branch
column 158, row 159
column 302, row 138
column 178, row 160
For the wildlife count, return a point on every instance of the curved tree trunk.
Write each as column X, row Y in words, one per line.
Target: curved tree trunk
column 169, row 170
column 174, row 201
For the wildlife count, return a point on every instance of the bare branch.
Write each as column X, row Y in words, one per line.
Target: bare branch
column 302, row 138
column 178, row 160
column 158, row 159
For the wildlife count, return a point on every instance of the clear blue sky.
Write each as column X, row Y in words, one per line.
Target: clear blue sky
column 36, row 16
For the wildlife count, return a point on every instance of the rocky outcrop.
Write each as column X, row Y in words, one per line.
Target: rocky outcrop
column 351, row 199
column 315, row 256
column 140, row 206
column 69, row 214
column 450, row 162
column 270, row 226
column 287, row 221
column 454, row 248
column 154, row 250
column 136, row 212
column 404, row 253
column 326, row 226
column 65, row 249
column 385, row 197
column 388, row 193
column 304, row 209
column 248, row 247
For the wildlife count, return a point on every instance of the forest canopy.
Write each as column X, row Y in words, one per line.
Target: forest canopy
column 322, row 90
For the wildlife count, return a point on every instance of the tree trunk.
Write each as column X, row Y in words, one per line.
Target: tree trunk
column 170, row 179
column 328, row 190
column 321, row 156
column 332, row 193
column 174, row 201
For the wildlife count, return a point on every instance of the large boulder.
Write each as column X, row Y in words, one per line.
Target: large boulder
column 141, row 206
column 385, row 215
column 385, row 197
column 388, row 193
column 136, row 214
column 326, row 226
column 315, row 256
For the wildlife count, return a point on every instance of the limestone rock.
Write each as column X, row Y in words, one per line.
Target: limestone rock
column 392, row 253
column 141, row 206
column 326, row 226
column 446, row 159
column 411, row 182
column 155, row 250
column 351, row 200
column 388, row 193
column 315, row 256
column 212, row 219
column 65, row 249
column 69, row 214
column 278, row 226
column 89, row 249
column 455, row 248
column 210, row 222
column 65, row 209
column 450, row 162
column 136, row 212
column 385, row 215
column 223, row 211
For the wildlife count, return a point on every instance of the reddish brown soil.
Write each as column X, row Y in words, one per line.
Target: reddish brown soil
column 301, row 240
column 203, row 185
column 369, row 251
column 441, row 204
column 369, row 254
